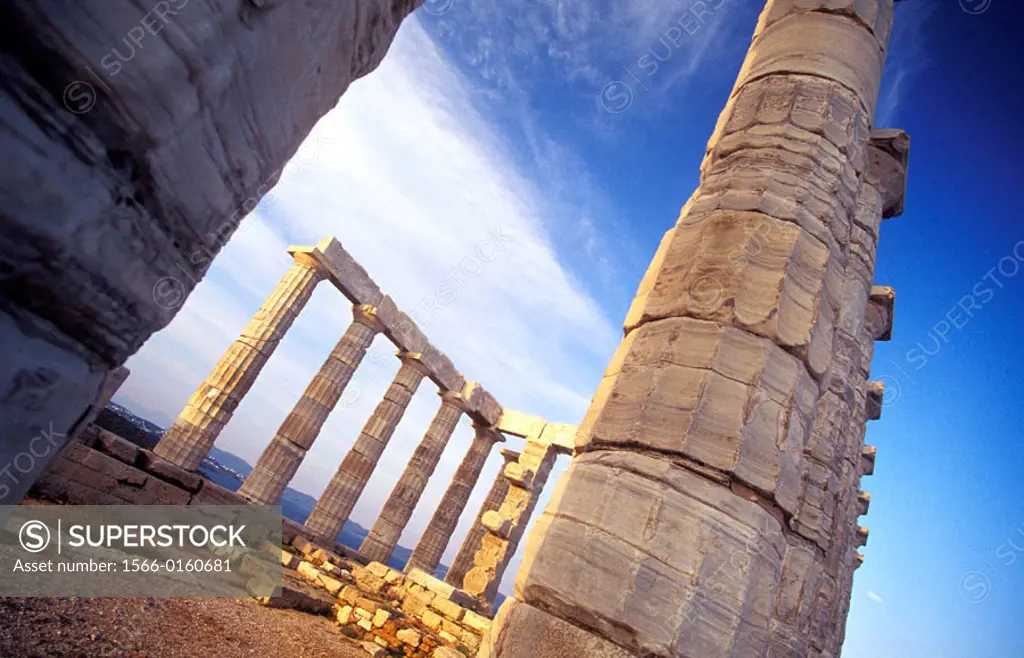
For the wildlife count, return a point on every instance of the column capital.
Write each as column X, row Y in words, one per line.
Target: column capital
column 509, row 455
column 366, row 315
column 414, row 360
column 889, row 153
column 452, row 399
column 880, row 313
column 308, row 260
column 875, row 400
column 490, row 432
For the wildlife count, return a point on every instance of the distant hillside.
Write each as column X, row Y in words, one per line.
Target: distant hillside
column 229, row 471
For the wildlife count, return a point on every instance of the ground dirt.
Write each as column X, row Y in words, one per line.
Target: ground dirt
column 154, row 628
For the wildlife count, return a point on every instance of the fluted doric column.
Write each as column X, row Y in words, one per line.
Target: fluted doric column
column 344, row 489
column 667, row 534
column 827, row 506
column 188, row 441
column 428, row 552
column 463, row 562
column 386, row 531
column 282, row 458
column 505, row 526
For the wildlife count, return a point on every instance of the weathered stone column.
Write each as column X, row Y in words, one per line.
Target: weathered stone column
column 428, row 552
column 495, row 497
column 347, row 485
column 187, row 442
column 386, row 531
column 282, row 458
column 827, row 507
column 689, row 461
column 505, row 526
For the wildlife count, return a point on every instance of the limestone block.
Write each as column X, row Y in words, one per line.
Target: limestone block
column 410, row 637
column 712, row 393
column 612, row 559
column 165, row 470
column 516, row 423
column 308, row 571
column 213, row 494
column 867, row 460
column 431, row 620
column 476, row 622
column 372, row 648
column 480, row 404
column 821, row 44
column 116, row 447
column 344, row 614
column 890, row 156
column 400, row 328
column 863, row 503
column 350, row 594
column 560, row 435
column 875, row 400
column 441, row 370
column 288, row 560
column 303, row 545
column 447, row 637
column 332, row 585
column 380, row 617
column 377, row 569
column 448, row 609
column 343, row 271
column 880, row 313
column 415, row 603
column 871, row 13
column 528, row 631
column 369, row 605
column 52, row 486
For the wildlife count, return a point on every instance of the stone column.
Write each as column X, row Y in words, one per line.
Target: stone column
column 281, row 459
column 187, row 442
column 344, row 489
column 495, row 497
column 428, row 552
column 504, row 527
column 386, row 531
column 666, row 536
column 826, row 509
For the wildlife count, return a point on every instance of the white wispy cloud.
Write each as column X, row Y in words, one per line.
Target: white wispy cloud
column 906, row 58
column 877, row 598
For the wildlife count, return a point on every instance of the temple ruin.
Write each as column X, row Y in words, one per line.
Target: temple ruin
column 506, row 511
column 712, row 504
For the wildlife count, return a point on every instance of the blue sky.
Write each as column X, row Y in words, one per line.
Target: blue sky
column 571, row 132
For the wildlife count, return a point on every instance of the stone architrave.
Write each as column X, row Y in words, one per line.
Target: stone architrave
column 463, row 561
column 505, row 526
column 188, row 441
column 344, row 489
column 282, row 458
column 667, row 535
column 427, row 554
column 384, row 535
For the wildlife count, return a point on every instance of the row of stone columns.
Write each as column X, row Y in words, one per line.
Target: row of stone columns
column 192, row 435
column 279, row 462
column 428, row 552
